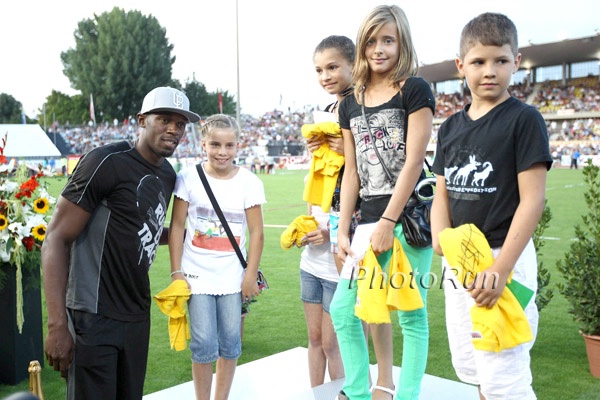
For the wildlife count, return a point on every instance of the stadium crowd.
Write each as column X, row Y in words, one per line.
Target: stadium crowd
column 579, row 95
column 283, row 128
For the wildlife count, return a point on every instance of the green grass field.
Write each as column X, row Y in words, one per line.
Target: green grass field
column 276, row 321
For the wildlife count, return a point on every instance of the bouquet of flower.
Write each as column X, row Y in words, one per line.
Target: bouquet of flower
column 24, row 206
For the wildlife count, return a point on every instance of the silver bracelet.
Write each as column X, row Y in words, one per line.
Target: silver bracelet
column 175, row 272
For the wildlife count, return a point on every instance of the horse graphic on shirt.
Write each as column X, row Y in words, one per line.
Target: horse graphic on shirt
column 462, row 175
column 448, row 174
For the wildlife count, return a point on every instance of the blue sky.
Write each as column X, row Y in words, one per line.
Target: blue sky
column 276, row 40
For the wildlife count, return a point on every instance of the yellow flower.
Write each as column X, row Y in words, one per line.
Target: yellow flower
column 3, row 222
column 41, row 205
column 39, row 232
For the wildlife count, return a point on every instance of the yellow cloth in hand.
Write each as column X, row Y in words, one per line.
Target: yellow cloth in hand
column 503, row 326
column 172, row 302
column 380, row 293
column 321, row 129
column 297, row 230
column 324, row 167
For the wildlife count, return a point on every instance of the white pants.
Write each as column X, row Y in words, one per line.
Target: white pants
column 504, row 375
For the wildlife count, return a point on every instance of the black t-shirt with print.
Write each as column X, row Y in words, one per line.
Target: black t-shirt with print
column 388, row 123
column 481, row 160
column 128, row 199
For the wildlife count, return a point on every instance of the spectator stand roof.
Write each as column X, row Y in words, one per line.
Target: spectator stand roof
column 567, row 51
column 27, row 141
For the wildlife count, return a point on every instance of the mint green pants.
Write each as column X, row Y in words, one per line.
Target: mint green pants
column 414, row 324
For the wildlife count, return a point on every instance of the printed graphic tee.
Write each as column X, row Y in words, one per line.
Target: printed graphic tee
column 128, row 199
column 209, row 262
column 481, row 159
column 381, row 151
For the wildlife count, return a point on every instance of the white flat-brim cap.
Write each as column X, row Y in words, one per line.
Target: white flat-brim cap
column 168, row 99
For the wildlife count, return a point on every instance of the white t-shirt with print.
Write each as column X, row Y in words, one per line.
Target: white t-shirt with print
column 209, row 262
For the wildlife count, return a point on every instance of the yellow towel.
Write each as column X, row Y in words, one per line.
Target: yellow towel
column 297, row 230
column 380, row 293
column 503, row 326
column 324, row 167
column 172, row 302
column 321, row 129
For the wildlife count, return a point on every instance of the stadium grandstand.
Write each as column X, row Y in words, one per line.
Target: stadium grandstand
column 561, row 79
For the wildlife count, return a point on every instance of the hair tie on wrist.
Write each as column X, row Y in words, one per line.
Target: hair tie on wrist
column 388, row 219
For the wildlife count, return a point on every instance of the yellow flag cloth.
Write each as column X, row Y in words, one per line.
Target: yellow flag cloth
column 379, row 293
column 324, row 167
column 297, row 230
column 172, row 302
column 503, row 326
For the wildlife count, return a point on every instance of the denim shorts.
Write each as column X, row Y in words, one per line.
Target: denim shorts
column 215, row 324
column 316, row 290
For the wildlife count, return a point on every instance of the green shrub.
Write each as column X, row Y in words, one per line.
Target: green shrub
column 544, row 292
column 580, row 267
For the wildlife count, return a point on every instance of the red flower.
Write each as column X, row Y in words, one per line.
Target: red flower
column 28, row 242
column 3, row 159
column 27, row 188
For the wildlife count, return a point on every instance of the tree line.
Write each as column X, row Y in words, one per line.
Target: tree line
column 109, row 64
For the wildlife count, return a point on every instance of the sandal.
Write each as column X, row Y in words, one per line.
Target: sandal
column 383, row 389
column 341, row 396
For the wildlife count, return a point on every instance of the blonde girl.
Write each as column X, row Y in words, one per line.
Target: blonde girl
column 202, row 254
column 386, row 125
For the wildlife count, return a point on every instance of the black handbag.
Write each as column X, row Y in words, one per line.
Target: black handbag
column 415, row 217
column 261, row 280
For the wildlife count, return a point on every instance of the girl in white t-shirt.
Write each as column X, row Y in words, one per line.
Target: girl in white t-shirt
column 332, row 58
column 202, row 254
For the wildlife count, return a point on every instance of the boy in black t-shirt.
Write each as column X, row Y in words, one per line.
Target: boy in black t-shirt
column 491, row 164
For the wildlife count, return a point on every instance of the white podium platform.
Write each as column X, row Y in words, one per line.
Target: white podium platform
column 285, row 376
